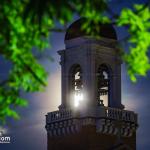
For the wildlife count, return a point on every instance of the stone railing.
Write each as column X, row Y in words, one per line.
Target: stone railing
column 106, row 120
column 119, row 114
column 58, row 115
column 105, row 112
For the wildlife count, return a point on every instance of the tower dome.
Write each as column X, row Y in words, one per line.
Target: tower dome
column 75, row 30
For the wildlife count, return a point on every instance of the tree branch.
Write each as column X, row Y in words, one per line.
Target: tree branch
column 32, row 72
column 3, row 82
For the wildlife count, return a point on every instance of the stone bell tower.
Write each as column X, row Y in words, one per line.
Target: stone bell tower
column 91, row 116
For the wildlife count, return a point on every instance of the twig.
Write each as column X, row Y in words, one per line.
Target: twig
column 3, row 82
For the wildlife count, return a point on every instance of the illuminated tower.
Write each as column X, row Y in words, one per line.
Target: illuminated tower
column 91, row 116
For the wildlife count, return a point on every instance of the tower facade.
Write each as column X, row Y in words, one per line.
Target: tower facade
column 91, row 116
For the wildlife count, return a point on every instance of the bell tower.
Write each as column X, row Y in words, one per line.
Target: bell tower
column 91, row 116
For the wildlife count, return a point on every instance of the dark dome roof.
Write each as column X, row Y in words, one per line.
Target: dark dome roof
column 74, row 30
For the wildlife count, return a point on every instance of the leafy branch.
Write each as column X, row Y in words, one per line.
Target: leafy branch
column 28, row 23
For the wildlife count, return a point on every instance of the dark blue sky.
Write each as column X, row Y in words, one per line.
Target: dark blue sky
column 29, row 132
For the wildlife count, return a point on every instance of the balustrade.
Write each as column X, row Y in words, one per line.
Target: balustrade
column 119, row 114
column 58, row 115
column 110, row 113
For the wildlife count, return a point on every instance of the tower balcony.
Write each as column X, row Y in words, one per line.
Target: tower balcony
column 105, row 119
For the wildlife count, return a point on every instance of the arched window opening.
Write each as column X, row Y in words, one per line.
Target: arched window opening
column 103, row 82
column 77, row 86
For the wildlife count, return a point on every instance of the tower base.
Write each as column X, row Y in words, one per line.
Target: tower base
column 89, row 139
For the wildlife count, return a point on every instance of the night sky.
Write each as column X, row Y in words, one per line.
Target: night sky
column 29, row 133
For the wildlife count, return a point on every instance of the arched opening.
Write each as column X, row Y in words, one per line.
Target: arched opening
column 103, row 85
column 76, row 85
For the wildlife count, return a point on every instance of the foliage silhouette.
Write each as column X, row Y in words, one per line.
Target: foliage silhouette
column 28, row 23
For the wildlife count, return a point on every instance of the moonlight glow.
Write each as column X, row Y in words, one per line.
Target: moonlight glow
column 78, row 97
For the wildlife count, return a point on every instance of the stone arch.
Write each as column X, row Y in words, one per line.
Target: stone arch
column 104, row 84
column 75, row 83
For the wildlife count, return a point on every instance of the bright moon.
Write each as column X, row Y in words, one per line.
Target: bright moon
column 77, row 99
